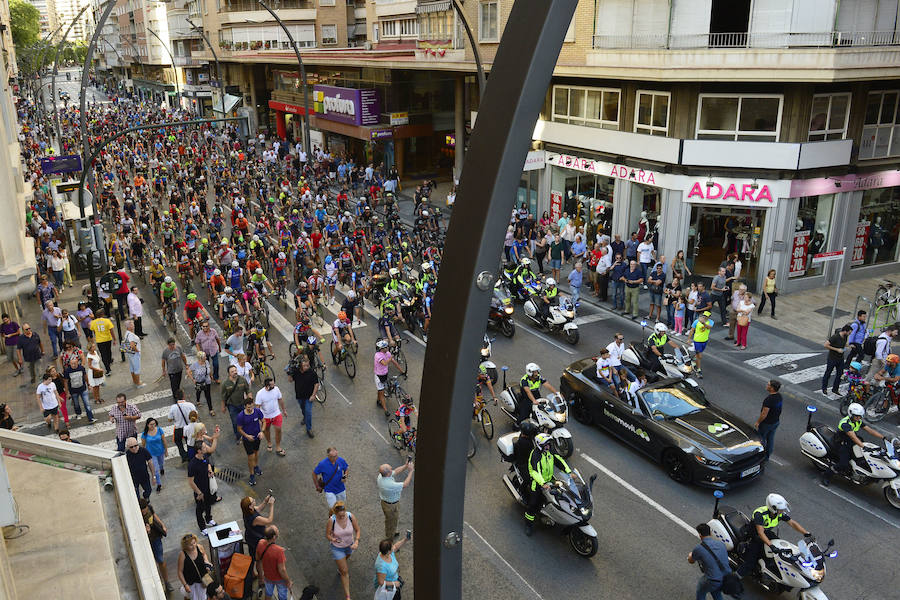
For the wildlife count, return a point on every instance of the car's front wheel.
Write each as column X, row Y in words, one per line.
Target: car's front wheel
column 580, row 411
column 676, row 465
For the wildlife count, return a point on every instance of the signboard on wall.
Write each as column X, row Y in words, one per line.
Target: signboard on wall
column 555, row 206
column 399, row 118
column 347, row 105
column 860, row 242
column 799, row 252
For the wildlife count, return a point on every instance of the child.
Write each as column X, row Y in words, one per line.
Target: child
column 855, row 377
column 606, row 373
column 678, row 300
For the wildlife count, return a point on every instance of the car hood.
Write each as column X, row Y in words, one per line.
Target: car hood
column 718, row 430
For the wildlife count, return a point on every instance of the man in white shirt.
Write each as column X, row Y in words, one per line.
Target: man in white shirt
column 49, row 401
column 882, row 349
column 646, row 254
column 179, row 413
column 616, row 349
column 271, row 403
column 603, row 267
column 135, row 310
column 605, row 371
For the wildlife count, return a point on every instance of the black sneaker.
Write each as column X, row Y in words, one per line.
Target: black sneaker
column 252, row 481
column 310, row 433
column 529, row 528
column 257, row 470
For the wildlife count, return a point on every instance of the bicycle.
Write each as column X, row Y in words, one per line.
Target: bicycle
column 394, row 389
column 480, row 413
column 888, row 294
column 856, row 393
column 473, row 448
column 345, row 356
column 881, row 402
column 169, row 315
column 397, row 353
column 261, row 368
column 401, row 439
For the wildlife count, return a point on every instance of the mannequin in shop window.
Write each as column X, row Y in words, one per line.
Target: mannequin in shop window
column 654, row 237
column 817, row 243
column 643, row 225
column 730, row 235
column 876, row 238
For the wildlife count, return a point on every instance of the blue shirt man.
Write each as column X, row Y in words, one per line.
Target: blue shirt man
column 713, row 558
column 329, row 477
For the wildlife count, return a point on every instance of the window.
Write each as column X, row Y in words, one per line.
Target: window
column 326, row 2
column 489, row 21
column 729, row 22
column 881, row 131
column 652, row 113
column 732, row 117
column 436, row 25
column 811, row 234
column 594, row 107
column 399, row 28
column 375, row 30
column 829, row 116
column 876, row 230
column 409, row 27
column 329, row 35
column 389, row 29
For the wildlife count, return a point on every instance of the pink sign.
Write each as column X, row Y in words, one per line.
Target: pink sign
column 844, row 183
column 748, row 193
column 797, row 266
column 858, row 256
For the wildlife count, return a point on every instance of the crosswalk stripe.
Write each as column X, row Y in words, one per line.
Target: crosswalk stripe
column 98, row 410
column 804, row 375
column 167, row 431
column 773, row 360
column 591, row 318
column 106, row 425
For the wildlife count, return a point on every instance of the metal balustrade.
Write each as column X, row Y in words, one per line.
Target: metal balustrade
column 765, row 39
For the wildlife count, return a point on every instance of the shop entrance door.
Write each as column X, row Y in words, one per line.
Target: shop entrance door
column 718, row 232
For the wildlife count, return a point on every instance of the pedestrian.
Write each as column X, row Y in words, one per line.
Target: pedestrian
column 235, row 391
column 835, row 345
column 236, row 344
column 124, row 415
column 154, row 440
column 330, row 475
column 131, row 345
column 541, row 247
column 75, row 377
column 387, row 569
column 173, row 363
column 699, row 332
column 743, row 313
column 49, row 401
column 857, row 337
column 704, row 301
column 575, row 281
column 249, row 426
column 656, row 280
column 140, row 464
column 95, row 372
column 882, row 349
column 10, row 330
column 603, row 270
column 156, row 531
column 6, row 419
column 381, row 364
column 770, row 291
column 632, row 279
column 718, row 288
column 556, row 256
column 770, row 416
column 193, row 569
column 646, row 254
column 737, row 296
column 306, row 386
column 207, row 340
column 136, row 310
column 200, row 373
column 669, row 292
column 713, row 558
column 255, row 526
column 51, row 316
column 46, row 291
column 389, row 491
column 105, row 336
column 68, row 329
column 244, row 369
column 617, row 272
column 271, row 403
column 342, row 532
column 198, row 472
column 679, row 265
column 85, row 315
column 60, row 383
column 273, row 561
column 690, row 303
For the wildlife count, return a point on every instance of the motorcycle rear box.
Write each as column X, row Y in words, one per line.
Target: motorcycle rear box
column 812, row 445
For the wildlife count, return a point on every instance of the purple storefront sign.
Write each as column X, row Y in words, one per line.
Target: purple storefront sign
column 347, row 105
column 381, row 134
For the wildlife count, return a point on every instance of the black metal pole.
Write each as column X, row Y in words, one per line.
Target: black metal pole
column 174, row 68
column 522, row 71
column 215, row 58
column 287, row 32
column 479, row 68
column 56, row 70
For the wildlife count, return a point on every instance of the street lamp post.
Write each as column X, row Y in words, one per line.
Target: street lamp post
column 215, row 58
column 174, row 68
column 59, row 47
column 137, row 53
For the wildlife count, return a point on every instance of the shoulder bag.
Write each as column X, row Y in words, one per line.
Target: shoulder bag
column 731, row 581
column 333, row 473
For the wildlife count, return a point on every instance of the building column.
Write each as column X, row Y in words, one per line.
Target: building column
column 399, row 151
column 280, row 125
column 459, row 107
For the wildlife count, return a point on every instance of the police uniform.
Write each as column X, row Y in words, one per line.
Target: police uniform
column 540, row 469
column 525, row 404
column 769, row 522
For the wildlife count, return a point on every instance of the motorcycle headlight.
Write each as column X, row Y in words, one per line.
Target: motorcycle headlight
column 508, row 310
column 585, row 512
column 569, row 314
column 485, row 353
column 684, row 368
column 560, row 417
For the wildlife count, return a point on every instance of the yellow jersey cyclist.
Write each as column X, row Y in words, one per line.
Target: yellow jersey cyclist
column 341, row 333
column 157, row 273
column 258, row 342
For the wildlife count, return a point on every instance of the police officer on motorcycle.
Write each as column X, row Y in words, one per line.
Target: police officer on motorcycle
column 531, row 384
column 765, row 521
column 549, row 297
column 540, row 468
column 657, row 344
column 846, row 437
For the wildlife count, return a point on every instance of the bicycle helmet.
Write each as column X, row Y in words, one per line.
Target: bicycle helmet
column 315, row 271
column 528, row 427
column 551, row 282
column 303, row 285
column 856, row 365
column 542, row 440
column 892, row 359
column 224, row 241
column 532, row 368
column 856, row 410
column 234, row 264
column 777, row 504
column 228, row 290
column 342, row 316
column 217, row 272
column 351, row 295
column 192, row 296
column 381, row 344
column 328, row 259
column 660, row 328
column 255, row 238
column 259, row 271
column 209, row 263
column 168, row 279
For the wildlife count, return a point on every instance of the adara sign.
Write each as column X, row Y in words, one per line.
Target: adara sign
column 714, row 192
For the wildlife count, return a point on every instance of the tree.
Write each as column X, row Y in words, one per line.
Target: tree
column 24, row 20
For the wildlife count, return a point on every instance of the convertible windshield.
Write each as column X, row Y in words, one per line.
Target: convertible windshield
column 676, row 400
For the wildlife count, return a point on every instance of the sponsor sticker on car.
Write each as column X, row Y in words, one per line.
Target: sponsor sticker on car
column 719, row 429
column 635, row 430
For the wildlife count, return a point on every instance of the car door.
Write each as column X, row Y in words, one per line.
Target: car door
column 626, row 421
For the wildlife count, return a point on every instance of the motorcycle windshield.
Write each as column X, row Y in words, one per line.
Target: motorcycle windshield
column 556, row 404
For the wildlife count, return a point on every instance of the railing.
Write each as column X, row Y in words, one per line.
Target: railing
column 253, row 5
column 824, row 39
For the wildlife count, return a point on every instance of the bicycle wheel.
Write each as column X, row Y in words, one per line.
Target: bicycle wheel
column 322, row 392
column 265, row 372
column 401, row 360
column 292, row 350
column 846, row 401
column 877, row 406
column 395, row 435
column 350, row 365
column 320, row 310
column 882, row 296
column 472, row 447
column 487, row 424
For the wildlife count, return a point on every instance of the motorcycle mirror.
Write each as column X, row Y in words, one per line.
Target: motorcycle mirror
column 643, row 323
column 592, row 480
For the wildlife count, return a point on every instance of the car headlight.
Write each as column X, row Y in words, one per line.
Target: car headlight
column 509, row 310
column 708, row 461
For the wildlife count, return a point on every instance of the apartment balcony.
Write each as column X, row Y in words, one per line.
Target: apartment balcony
column 763, row 56
column 190, row 61
column 394, row 8
column 243, row 11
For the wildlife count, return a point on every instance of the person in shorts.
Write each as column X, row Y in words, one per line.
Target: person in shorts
column 249, row 425
column 49, row 400
column 700, row 334
column 271, row 403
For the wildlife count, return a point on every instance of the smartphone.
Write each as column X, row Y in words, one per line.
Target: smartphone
column 409, row 534
column 408, row 459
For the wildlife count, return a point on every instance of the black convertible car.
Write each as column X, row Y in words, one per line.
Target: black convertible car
column 671, row 421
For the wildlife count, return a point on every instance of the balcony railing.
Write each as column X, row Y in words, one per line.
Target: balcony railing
column 825, row 39
column 250, row 5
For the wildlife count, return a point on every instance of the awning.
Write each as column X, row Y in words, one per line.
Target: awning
column 230, row 102
column 432, row 7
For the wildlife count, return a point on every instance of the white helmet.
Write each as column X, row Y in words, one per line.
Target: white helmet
column 542, row 440
column 394, row 271
column 209, row 263
column 777, row 504
column 424, row 213
column 426, row 266
column 168, row 279
column 551, row 282
column 660, row 328
column 351, row 294
column 255, row 238
column 228, row 290
column 525, row 261
column 856, row 410
column 234, row 264
column 217, row 272
column 381, row 344
column 281, row 255
column 259, row 271
column 532, row 368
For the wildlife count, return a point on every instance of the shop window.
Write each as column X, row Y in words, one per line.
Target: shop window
column 829, row 116
column 881, row 131
column 733, row 117
column 489, row 21
column 329, row 35
column 593, row 107
column 811, row 235
column 586, row 197
column 652, row 113
column 876, row 231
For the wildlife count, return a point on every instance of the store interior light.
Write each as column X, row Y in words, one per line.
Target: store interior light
column 754, row 185
column 710, row 182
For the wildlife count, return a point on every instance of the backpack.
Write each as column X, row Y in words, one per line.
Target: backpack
column 869, row 345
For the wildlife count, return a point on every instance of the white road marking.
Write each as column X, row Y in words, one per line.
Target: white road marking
column 545, row 338
column 804, row 375
column 860, row 506
column 774, row 360
column 653, row 503
column 780, row 463
column 106, row 425
column 415, row 338
column 335, row 388
column 167, row 431
column 282, row 325
column 378, row 433
column 503, row 560
column 591, row 318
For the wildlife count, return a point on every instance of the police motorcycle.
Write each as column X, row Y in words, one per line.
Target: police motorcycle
column 639, row 355
column 797, row 569
column 509, row 280
column 870, row 464
column 486, row 365
column 550, row 414
column 568, row 502
column 501, row 312
column 561, row 317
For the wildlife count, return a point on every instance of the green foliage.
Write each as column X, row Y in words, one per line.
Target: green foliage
column 24, row 23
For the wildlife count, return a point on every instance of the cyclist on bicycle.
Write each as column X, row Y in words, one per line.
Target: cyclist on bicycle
column 890, row 375
column 484, row 379
column 184, row 266
column 216, row 284
column 250, row 300
column 280, row 265
column 209, row 268
column 341, row 333
column 316, row 285
column 855, row 378
column 157, row 273
column 258, row 343
column 310, row 347
column 330, row 277
column 168, row 291
column 229, row 306
column 192, row 310
column 235, row 275
column 259, row 281
column 388, row 316
column 404, row 412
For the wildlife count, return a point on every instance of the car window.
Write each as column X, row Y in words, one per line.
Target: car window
column 675, row 400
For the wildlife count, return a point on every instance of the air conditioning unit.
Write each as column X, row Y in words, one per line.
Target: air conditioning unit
column 368, row 45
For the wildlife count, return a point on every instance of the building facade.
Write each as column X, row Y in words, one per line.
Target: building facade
column 66, row 10
column 48, row 18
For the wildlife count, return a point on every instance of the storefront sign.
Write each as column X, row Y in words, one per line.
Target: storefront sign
column 603, row 168
column 399, row 118
column 732, row 192
column 797, row 266
column 450, row 140
column 555, row 206
column 827, row 257
column 860, row 243
column 844, row 183
column 381, row 134
column 536, row 159
column 287, row 108
column 347, row 105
